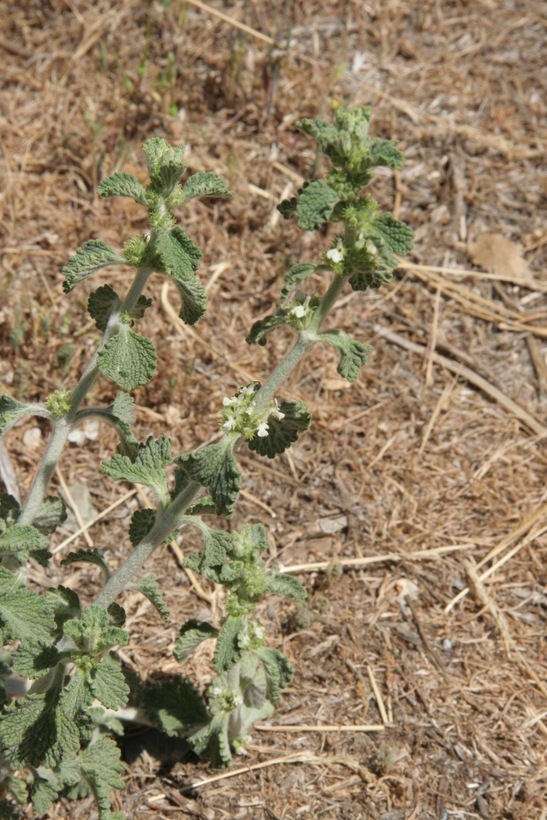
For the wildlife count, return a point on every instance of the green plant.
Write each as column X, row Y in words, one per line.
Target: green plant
column 66, row 692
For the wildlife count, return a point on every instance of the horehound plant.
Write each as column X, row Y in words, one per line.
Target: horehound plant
column 66, row 693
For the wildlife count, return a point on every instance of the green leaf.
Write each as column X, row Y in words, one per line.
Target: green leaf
column 12, row 411
column 191, row 635
column 51, row 513
column 142, row 522
column 128, row 359
column 174, row 260
column 24, row 614
column 93, row 256
column 8, row 811
column 45, row 789
column 165, row 164
column 282, row 432
column 353, row 354
column 214, row 466
column 123, row 185
column 280, row 584
column 102, row 303
column 260, row 329
column 296, row 274
column 174, row 706
column 147, row 468
column 64, row 603
column 212, row 742
column 33, row 659
column 92, row 632
column 397, row 235
column 101, row 766
column 385, row 153
column 189, row 248
column 22, row 539
column 108, row 683
column 228, row 650
column 149, row 587
column 279, row 670
column 204, row 183
column 88, row 556
column 316, row 203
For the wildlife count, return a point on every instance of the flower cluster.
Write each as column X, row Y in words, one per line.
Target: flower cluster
column 240, row 414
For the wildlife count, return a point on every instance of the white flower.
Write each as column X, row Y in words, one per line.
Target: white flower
column 229, row 424
column 262, row 429
column 238, row 700
column 298, row 312
column 260, row 632
column 335, row 255
column 228, row 401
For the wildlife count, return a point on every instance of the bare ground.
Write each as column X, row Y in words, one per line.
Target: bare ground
column 420, row 491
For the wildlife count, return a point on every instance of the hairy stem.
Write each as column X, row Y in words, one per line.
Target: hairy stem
column 169, row 519
column 62, row 426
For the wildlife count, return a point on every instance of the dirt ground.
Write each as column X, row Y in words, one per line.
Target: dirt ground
column 416, row 507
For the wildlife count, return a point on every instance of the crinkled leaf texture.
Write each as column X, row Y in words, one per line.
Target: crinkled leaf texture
column 282, row 432
column 296, row 274
column 262, row 327
column 88, row 556
column 192, row 634
column 204, row 183
column 214, row 466
column 93, row 632
column 176, row 258
column 353, row 354
column 142, row 522
column 279, row 584
column 22, row 540
column 121, row 184
column 102, row 303
column 165, row 164
column 51, row 513
column 228, row 650
column 315, row 205
column 108, row 683
column 91, row 257
column 24, row 614
column 128, row 359
column 151, row 590
column 101, row 766
column 148, row 467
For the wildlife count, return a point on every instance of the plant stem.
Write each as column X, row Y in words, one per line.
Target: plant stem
column 62, row 426
column 169, row 519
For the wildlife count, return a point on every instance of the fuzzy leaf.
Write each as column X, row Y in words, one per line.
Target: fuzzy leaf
column 51, row 513
column 214, row 466
column 385, row 153
column 33, row 659
column 228, row 651
column 87, row 556
column 174, row 260
column 212, row 742
column 22, row 539
column 64, row 603
column 353, row 354
column 189, row 247
column 92, row 632
column 123, row 408
column 397, row 235
column 280, row 584
column 315, row 205
column 204, row 183
column 24, row 614
column 45, row 789
column 191, row 635
column 296, row 274
column 279, row 671
column 165, row 164
column 108, row 683
column 102, row 303
column 282, row 432
column 174, row 706
column 149, row 587
column 147, row 468
column 12, row 411
column 93, row 256
column 142, row 522
column 123, row 185
column 128, row 359
column 260, row 329
column 101, row 766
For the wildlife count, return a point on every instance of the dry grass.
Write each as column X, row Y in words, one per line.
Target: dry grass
column 424, row 483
